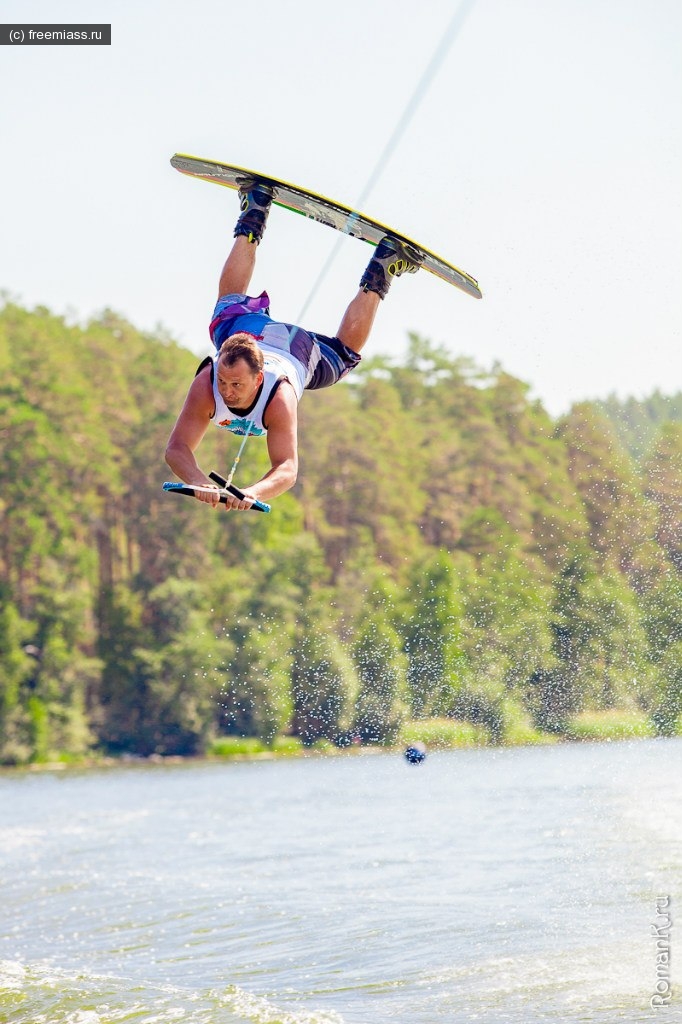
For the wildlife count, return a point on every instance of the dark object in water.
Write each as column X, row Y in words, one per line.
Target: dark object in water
column 415, row 753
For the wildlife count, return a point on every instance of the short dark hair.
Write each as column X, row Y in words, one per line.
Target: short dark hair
column 241, row 346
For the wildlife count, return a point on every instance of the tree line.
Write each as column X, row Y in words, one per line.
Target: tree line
column 449, row 551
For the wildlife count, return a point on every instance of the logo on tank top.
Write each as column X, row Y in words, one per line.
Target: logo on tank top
column 241, row 426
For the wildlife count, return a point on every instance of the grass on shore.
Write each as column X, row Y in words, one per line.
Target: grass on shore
column 607, row 726
column 251, row 746
column 449, row 733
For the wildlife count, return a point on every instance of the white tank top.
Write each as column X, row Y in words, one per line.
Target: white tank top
column 275, row 369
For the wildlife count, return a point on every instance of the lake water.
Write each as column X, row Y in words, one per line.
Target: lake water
column 513, row 885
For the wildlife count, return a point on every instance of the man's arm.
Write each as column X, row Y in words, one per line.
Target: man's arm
column 281, row 420
column 189, row 429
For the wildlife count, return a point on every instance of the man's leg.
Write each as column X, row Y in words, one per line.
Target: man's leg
column 236, row 274
column 390, row 259
column 358, row 319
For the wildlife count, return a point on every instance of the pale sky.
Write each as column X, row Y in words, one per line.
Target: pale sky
column 545, row 159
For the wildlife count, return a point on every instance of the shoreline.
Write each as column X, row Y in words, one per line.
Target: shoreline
column 437, row 735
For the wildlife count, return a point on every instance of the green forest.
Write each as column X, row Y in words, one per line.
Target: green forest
column 451, row 557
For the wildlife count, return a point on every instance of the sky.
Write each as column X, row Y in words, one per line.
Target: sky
column 544, row 158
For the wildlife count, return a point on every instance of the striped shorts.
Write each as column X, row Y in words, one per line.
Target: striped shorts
column 325, row 360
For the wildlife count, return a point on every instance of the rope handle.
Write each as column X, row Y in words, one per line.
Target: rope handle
column 176, row 488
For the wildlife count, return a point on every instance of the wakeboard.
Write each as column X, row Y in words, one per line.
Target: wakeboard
column 325, row 211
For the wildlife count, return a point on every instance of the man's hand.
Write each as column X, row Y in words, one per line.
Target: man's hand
column 213, row 495
column 208, row 493
column 233, row 503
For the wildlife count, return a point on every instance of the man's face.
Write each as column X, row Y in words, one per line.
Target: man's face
column 237, row 384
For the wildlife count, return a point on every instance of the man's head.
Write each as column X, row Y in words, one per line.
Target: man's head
column 239, row 370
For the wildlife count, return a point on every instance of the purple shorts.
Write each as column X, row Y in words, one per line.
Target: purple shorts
column 326, row 360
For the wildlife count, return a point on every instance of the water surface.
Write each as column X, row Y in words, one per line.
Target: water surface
column 513, row 885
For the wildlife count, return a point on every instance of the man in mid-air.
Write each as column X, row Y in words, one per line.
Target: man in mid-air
column 254, row 382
